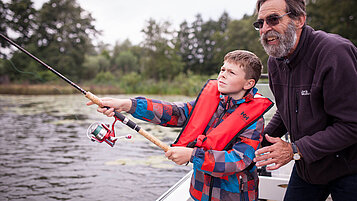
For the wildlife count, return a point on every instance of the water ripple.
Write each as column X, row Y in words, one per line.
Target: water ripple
column 46, row 155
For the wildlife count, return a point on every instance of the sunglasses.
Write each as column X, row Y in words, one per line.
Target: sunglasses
column 271, row 20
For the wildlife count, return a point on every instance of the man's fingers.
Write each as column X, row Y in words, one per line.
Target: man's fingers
column 275, row 155
column 264, row 163
column 274, row 167
column 262, row 157
column 272, row 139
column 263, row 150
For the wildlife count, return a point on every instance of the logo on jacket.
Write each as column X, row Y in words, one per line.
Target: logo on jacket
column 305, row 93
column 244, row 116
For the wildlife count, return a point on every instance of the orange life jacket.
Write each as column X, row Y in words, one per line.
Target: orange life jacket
column 226, row 133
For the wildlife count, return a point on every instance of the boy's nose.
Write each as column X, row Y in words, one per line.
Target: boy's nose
column 222, row 74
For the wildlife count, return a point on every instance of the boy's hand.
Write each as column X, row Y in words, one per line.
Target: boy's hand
column 118, row 105
column 179, row 155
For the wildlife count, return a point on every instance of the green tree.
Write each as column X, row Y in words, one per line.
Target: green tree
column 127, row 62
column 241, row 35
column 120, row 47
column 185, row 46
column 64, row 36
column 4, row 78
column 3, row 24
column 161, row 60
column 93, row 64
column 20, row 19
column 197, row 43
column 17, row 17
column 20, row 67
column 125, row 57
column 338, row 17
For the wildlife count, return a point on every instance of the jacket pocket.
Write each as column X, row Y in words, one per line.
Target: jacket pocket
column 324, row 170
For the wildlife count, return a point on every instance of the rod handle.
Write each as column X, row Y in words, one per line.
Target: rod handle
column 154, row 140
column 94, row 99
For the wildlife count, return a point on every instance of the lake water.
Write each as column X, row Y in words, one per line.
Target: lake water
column 46, row 155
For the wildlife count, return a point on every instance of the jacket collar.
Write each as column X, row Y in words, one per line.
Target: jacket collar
column 247, row 98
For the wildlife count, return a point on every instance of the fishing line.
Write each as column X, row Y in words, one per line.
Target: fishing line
column 36, row 75
column 24, row 72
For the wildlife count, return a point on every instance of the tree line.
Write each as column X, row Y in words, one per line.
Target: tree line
column 61, row 33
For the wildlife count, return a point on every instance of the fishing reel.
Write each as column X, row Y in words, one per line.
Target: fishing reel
column 100, row 132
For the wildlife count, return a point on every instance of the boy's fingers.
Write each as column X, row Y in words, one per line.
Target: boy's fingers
column 101, row 109
column 109, row 111
column 89, row 103
column 108, row 102
column 169, row 154
column 105, row 103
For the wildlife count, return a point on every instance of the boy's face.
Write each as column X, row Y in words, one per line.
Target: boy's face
column 232, row 82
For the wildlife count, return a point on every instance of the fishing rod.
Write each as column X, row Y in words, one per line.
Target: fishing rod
column 98, row 132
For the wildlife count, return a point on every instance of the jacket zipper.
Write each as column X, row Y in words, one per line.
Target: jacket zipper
column 218, row 122
column 225, row 108
column 241, row 186
column 210, row 189
column 297, row 110
column 289, row 97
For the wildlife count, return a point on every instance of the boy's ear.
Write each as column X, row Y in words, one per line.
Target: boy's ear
column 249, row 84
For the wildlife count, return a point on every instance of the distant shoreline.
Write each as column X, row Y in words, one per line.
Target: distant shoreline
column 162, row 88
column 53, row 89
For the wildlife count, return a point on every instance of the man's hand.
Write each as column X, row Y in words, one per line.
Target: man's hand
column 179, row 155
column 279, row 153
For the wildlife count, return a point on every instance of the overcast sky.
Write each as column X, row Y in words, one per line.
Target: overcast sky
column 124, row 19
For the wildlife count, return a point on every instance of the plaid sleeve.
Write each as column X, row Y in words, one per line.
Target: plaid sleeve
column 161, row 112
column 224, row 163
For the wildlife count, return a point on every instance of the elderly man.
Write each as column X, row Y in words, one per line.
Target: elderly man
column 313, row 76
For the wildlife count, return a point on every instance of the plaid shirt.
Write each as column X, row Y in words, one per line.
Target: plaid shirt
column 234, row 175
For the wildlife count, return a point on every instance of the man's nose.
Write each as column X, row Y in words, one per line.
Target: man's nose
column 265, row 28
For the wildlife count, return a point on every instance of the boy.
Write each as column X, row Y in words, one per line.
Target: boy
column 222, row 129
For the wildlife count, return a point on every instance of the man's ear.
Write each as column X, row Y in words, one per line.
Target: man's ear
column 300, row 21
column 249, row 84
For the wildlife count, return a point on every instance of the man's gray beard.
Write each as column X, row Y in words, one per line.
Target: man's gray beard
column 286, row 42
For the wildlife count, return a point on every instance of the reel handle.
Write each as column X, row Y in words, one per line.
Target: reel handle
column 130, row 123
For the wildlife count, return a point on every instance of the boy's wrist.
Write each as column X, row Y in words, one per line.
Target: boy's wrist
column 132, row 106
column 193, row 154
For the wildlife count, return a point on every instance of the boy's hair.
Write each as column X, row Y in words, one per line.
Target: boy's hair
column 251, row 64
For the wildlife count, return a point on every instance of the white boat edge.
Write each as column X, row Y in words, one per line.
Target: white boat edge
column 270, row 187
